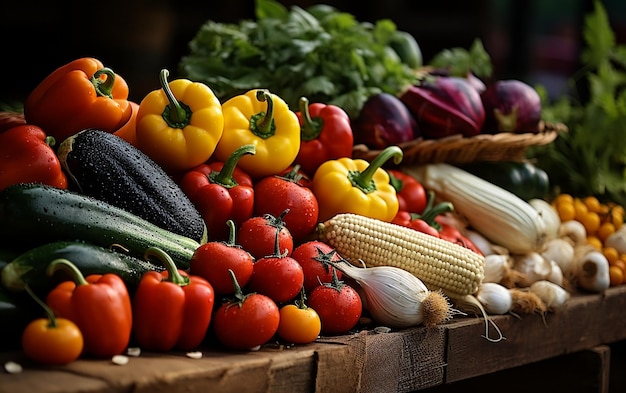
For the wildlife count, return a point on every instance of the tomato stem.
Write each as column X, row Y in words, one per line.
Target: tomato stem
column 52, row 321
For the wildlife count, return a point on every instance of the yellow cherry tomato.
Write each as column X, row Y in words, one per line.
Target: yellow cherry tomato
column 593, row 204
column 611, row 254
column 565, row 209
column 591, row 222
column 595, row 242
column 54, row 341
column 616, row 275
column 299, row 324
column 606, row 229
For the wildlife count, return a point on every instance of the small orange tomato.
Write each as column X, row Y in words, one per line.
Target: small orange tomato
column 591, row 222
column 616, row 275
column 55, row 341
column 611, row 254
column 606, row 229
column 595, row 242
column 299, row 324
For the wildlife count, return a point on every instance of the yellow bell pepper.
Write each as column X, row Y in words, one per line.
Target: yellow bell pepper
column 264, row 120
column 179, row 125
column 356, row 186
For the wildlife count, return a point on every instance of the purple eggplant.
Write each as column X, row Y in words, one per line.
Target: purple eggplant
column 511, row 106
column 444, row 106
column 384, row 120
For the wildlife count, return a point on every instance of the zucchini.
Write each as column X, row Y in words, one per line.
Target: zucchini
column 522, row 178
column 104, row 166
column 33, row 214
column 30, row 266
column 16, row 312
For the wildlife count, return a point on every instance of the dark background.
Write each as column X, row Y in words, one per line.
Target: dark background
column 536, row 41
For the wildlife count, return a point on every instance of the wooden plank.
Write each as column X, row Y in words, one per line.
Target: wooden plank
column 584, row 371
column 401, row 361
column 586, row 321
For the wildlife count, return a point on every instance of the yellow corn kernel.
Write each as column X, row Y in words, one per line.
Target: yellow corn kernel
column 440, row 264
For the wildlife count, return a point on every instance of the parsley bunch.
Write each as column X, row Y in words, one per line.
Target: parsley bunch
column 318, row 52
column 590, row 159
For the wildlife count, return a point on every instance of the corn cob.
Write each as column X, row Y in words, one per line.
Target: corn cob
column 440, row 264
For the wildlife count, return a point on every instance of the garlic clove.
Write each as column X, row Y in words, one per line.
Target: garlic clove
column 553, row 296
column 495, row 298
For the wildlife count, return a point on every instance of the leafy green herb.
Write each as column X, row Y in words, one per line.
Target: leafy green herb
column 460, row 61
column 590, row 159
column 318, row 52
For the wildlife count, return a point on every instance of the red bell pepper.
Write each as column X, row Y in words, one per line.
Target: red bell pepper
column 414, row 221
column 98, row 304
column 172, row 309
column 426, row 221
column 325, row 134
column 26, row 156
column 452, row 234
column 410, row 192
column 221, row 191
column 81, row 94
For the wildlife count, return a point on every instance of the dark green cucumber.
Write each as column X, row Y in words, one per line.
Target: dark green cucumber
column 34, row 214
column 107, row 167
column 30, row 266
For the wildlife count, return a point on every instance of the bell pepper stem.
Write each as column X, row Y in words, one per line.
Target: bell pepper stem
column 173, row 275
column 431, row 212
column 104, row 88
column 176, row 113
column 224, row 177
column 69, row 267
column 262, row 123
column 310, row 129
column 364, row 180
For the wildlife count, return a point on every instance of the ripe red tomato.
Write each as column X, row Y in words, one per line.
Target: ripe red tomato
column 212, row 261
column 275, row 194
column 279, row 277
column 246, row 323
column 299, row 324
column 257, row 235
column 338, row 305
column 314, row 257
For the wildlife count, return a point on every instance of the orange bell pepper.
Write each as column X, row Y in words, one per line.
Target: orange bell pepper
column 81, row 94
column 99, row 304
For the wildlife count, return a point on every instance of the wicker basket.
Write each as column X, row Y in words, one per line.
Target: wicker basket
column 456, row 149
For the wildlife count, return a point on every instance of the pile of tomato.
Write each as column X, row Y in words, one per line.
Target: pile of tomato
column 282, row 290
column 600, row 220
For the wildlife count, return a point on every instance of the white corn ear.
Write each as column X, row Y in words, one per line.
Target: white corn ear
column 498, row 214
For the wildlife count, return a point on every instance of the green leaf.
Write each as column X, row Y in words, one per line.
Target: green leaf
column 270, row 9
column 598, row 35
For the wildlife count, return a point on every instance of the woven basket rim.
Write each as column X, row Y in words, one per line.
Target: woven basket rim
column 456, row 149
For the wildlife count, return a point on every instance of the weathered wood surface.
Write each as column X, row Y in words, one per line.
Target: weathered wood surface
column 363, row 362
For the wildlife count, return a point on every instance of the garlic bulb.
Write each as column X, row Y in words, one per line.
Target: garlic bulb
column 495, row 298
column 573, row 230
column 556, row 274
column 617, row 240
column 397, row 298
column 561, row 252
column 533, row 267
column 497, row 267
column 594, row 271
column 552, row 295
